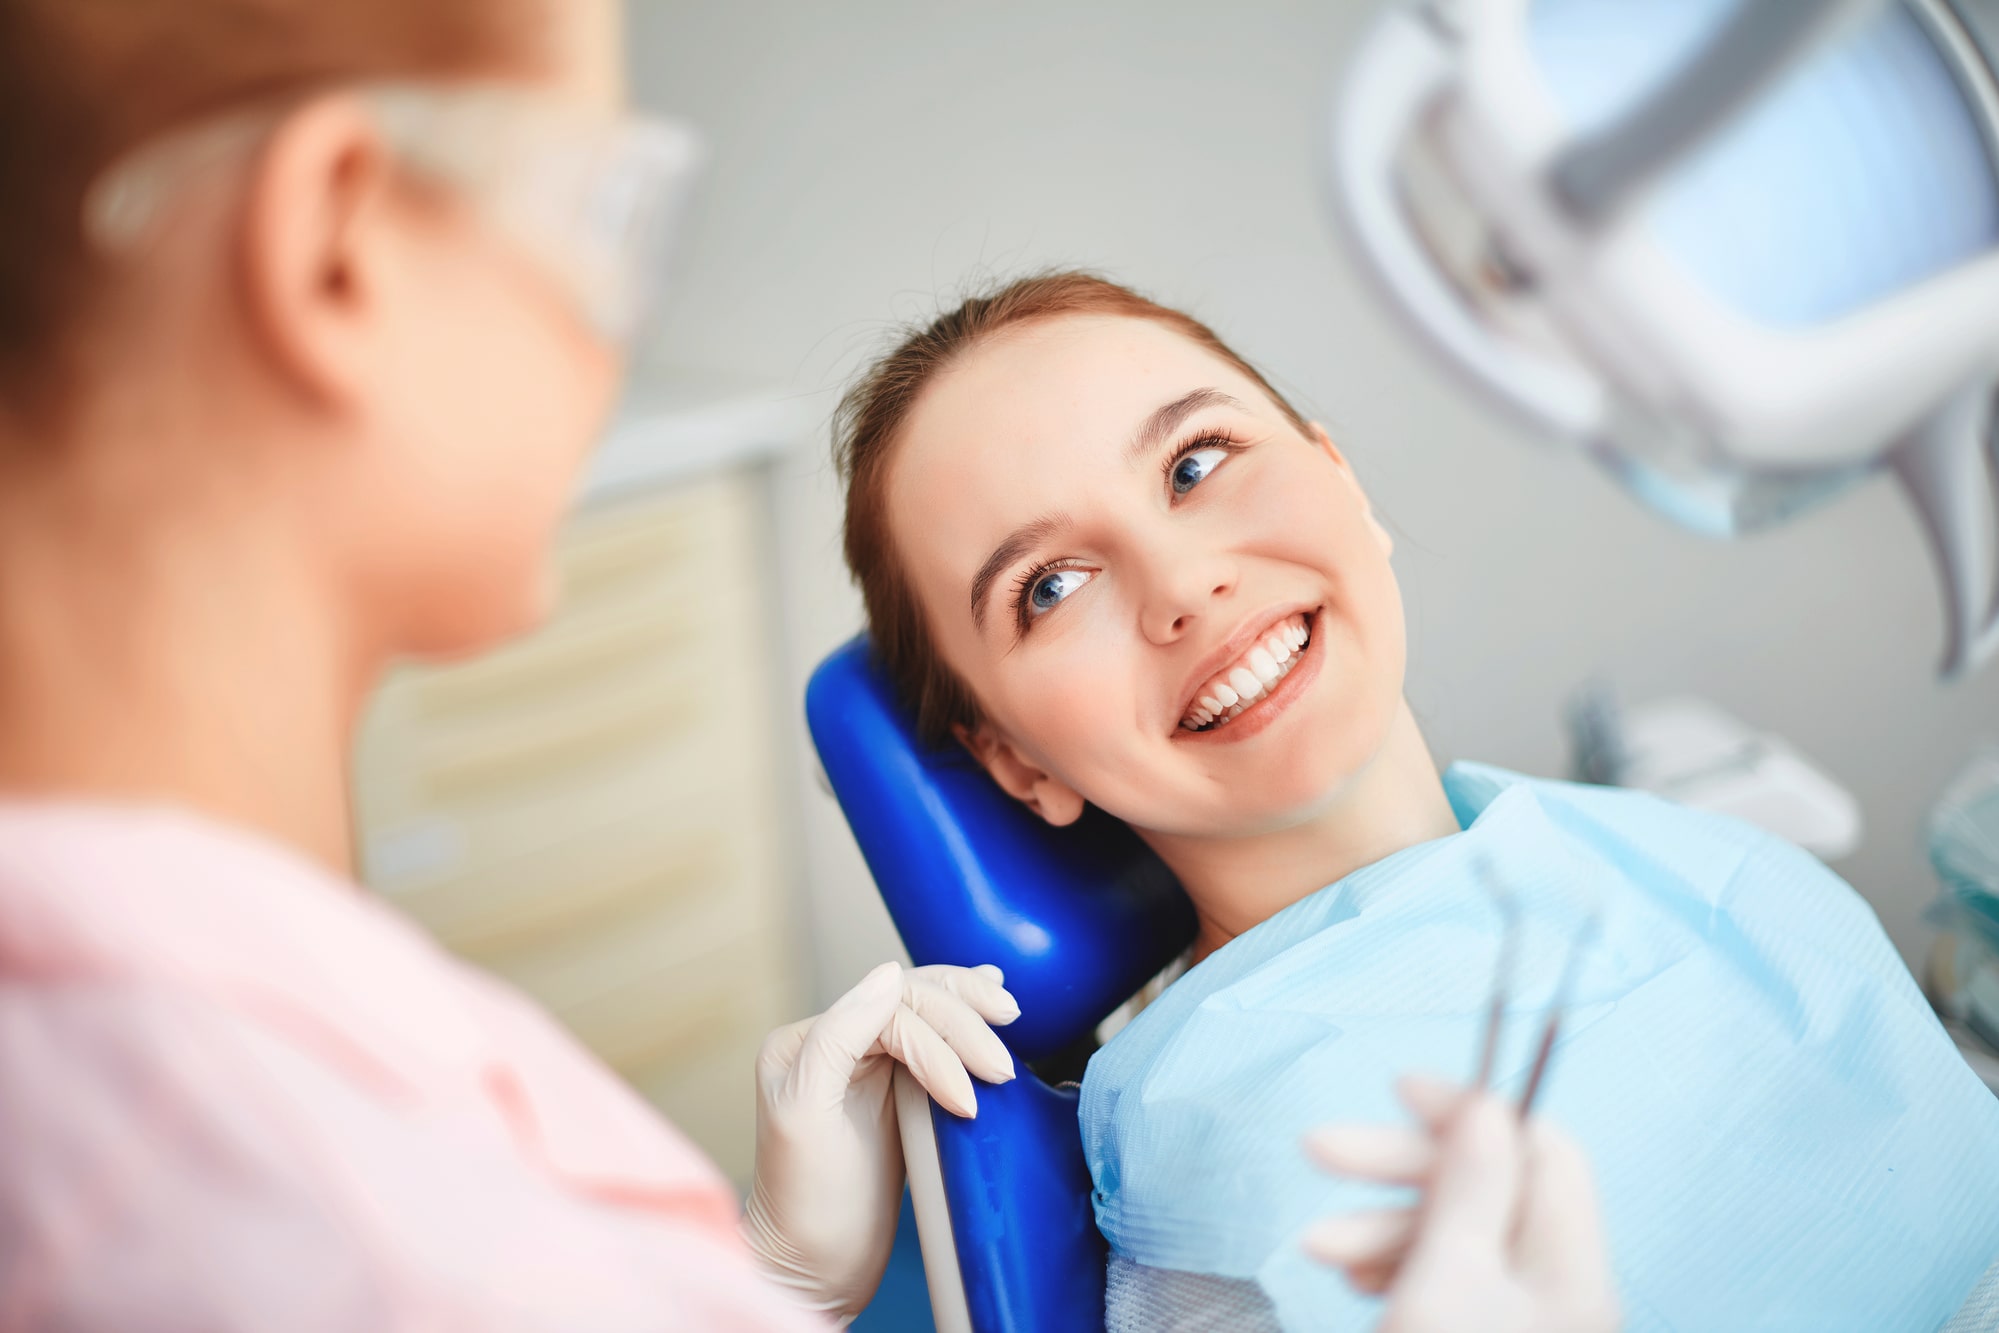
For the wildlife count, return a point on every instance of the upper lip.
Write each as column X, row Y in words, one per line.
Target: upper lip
column 1251, row 631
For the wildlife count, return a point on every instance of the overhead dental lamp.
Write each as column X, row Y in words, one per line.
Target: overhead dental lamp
column 1744, row 253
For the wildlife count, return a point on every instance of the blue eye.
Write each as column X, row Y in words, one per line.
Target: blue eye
column 1052, row 587
column 1193, row 469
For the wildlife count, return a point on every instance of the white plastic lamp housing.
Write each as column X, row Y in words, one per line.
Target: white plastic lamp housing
column 1743, row 254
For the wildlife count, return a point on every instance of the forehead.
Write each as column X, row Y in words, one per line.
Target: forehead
column 1069, row 390
column 1070, row 377
column 1033, row 423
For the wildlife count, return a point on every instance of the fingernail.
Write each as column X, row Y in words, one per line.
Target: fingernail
column 995, row 1066
column 1011, row 1011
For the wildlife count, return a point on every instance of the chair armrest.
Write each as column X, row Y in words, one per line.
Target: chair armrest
column 1026, row 1235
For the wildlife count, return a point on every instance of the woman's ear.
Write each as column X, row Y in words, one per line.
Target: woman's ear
column 1019, row 777
column 1317, row 433
column 312, row 241
column 1324, row 441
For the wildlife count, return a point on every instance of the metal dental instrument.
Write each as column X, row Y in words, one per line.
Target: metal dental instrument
column 1503, row 984
column 1502, row 977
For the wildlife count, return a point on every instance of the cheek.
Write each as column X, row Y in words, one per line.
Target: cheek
column 495, row 415
column 1072, row 700
column 1319, row 519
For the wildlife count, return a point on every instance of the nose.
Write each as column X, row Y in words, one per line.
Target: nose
column 1186, row 582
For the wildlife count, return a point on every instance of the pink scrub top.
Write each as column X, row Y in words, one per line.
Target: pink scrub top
column 238, row 1093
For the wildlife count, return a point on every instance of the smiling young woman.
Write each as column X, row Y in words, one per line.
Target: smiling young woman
column 1102, row 553
column 871, row 418
column 1097, row 546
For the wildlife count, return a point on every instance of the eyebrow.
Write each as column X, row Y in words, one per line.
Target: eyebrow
column 1018, row 543
column 1167, row 419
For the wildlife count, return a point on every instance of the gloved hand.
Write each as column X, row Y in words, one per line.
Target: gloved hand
column 1506, row 1238
column 828, row 1183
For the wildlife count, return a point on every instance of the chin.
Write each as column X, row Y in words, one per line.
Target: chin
column 477, row 619
column 1314, row 776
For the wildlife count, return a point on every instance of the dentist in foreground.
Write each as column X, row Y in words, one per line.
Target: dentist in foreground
column 308, row 316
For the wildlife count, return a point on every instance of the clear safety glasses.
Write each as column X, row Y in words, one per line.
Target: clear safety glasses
column 596, row 199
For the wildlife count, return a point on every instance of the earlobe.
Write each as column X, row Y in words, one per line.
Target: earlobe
column 1324, row 440
column 1382, row 537
column 309, row 237
column 1321, row 438
column 1048, row 796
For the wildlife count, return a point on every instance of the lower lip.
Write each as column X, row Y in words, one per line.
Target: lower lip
column 1264, row 713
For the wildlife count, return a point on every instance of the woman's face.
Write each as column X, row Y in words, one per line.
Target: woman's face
column 1168, row 600
column 492, row 390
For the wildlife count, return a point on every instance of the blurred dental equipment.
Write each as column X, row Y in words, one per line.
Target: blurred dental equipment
column 1741, row 254
column 1964, row 844
column 1963, row 974
column 1690, row 751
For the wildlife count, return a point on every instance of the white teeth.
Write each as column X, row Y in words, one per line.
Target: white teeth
column 1261, row 668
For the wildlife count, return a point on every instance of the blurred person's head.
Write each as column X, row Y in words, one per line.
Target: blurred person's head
column 1076, row 517
column 309, row 338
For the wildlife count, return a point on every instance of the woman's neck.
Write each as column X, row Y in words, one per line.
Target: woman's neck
column 1395, row 802
column 171, row 653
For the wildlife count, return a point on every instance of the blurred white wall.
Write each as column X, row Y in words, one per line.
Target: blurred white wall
column 875, row 156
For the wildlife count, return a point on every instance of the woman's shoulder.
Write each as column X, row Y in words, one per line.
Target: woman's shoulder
column 1684, row 860
column 1608, row 818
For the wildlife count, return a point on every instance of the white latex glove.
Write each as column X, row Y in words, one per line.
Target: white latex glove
column 828, row 1185
column 1506, row 1237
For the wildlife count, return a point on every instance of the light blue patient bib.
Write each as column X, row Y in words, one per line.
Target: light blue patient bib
column 1784, row 1138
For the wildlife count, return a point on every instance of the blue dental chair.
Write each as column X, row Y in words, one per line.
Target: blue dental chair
column 1078, row 918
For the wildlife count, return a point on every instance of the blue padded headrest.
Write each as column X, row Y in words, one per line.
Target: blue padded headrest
column 1079, row 918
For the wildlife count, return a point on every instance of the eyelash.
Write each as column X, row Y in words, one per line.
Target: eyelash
column 1212, row 439
column 1023, row 585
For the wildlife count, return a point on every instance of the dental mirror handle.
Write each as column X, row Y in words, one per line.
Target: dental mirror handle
column 1949, row 469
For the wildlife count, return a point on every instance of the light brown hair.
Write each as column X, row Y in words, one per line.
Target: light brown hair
column 84, row 81
column 871, row 417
